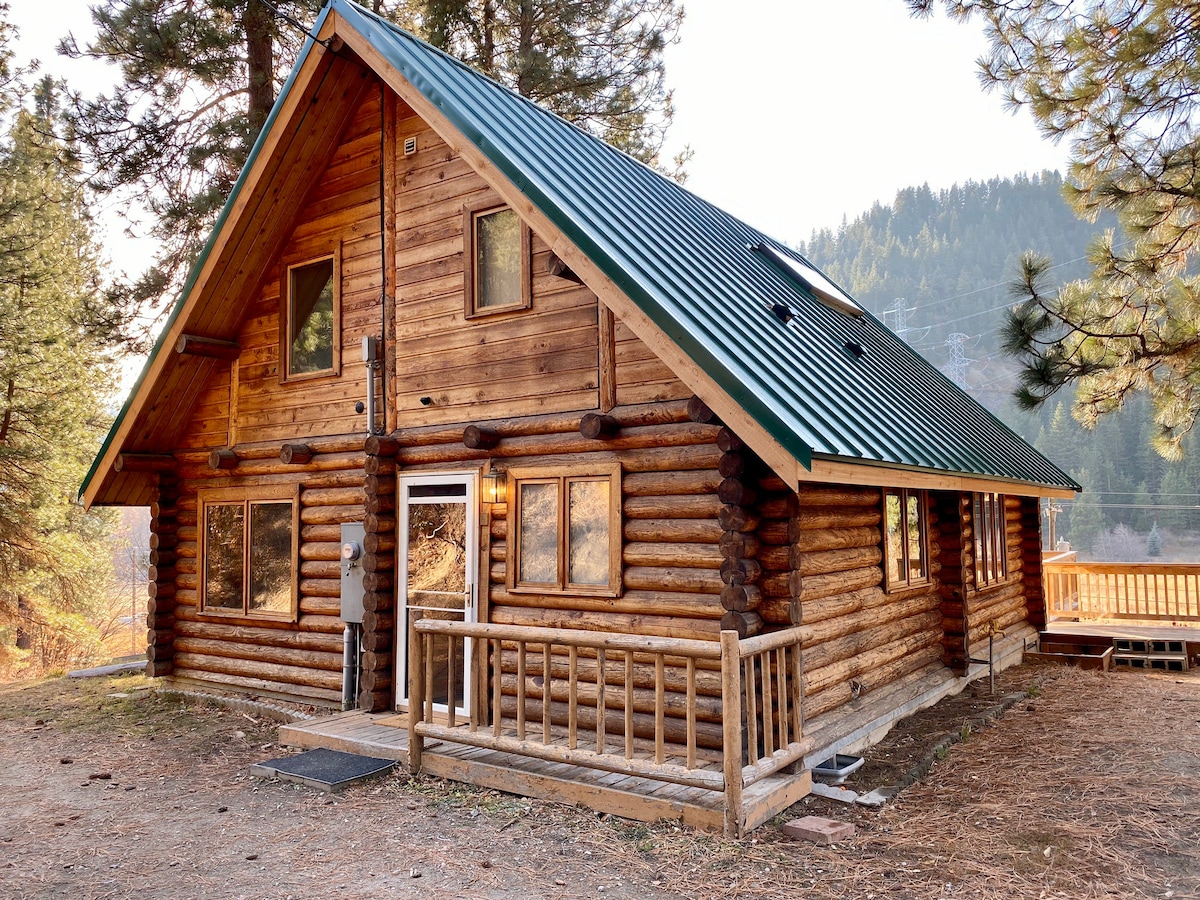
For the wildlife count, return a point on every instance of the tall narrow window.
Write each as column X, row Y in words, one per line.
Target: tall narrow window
column 496, row 261
column 906, row 554
column 248, row 552
column 566, row 528
column 991, row 545
column 311, row 328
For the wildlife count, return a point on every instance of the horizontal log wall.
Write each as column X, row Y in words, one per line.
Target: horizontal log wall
column 866, row 639
column 671, row 536
column 527, row 362
column 301, row 659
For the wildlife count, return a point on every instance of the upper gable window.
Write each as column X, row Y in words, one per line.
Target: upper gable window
column 496, row 261
column 906, row 553
column 312, row 327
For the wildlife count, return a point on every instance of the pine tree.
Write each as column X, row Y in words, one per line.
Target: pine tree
column 1119, row 81
column 597, row 63
column 55, row 375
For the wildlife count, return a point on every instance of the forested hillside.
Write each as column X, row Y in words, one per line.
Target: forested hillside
column 935, row 266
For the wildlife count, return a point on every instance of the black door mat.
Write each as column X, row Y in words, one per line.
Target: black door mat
column 325, row 770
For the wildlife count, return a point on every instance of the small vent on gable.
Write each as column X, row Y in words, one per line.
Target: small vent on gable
column 410, row 145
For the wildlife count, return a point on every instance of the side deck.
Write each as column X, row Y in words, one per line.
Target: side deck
column 385, row 735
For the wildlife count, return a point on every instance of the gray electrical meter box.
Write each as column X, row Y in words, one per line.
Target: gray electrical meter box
column 352, row 572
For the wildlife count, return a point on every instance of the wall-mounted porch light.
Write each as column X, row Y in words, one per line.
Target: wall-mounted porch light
column 495, row 487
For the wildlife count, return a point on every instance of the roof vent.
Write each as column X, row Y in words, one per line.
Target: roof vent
column 816, row 283
column 855, row 349
column 782, row 313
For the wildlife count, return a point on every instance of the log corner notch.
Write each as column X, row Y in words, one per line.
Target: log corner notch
column 599, row 427
column 477, row 437
column 700, row 412
column 212, row 348
column 160, row 603
column 740, row 571
column 295, row 454
column 377, row 675
column 223, row 459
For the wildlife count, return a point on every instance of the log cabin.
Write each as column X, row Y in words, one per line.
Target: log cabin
column 464, row 414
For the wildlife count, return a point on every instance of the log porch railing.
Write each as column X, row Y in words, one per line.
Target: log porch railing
column 609, row 696
column 1123, row 592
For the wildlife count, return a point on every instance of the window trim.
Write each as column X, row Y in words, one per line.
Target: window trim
column 285, row 318
column 906, row 582
column 472, row 212
column 246, row 496
column 984, row 540
column 564, row 476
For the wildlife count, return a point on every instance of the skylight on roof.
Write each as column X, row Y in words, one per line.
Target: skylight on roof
column 820, row 286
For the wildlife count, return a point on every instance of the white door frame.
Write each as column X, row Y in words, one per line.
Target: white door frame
column 470, row 479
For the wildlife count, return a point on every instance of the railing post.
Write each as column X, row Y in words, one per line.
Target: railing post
column 416, row 691
column 731, row 719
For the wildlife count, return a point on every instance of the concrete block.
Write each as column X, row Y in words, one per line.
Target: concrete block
column 830, row 792
column 819, row 830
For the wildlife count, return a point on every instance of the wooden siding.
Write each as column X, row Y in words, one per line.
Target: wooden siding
column 341, row 210
column 527, row 362
column 640, row 376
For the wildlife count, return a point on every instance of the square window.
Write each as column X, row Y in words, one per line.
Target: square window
column 496, row 274
column 311, row 329
column 905, row 542
column 566, row 531
column 248, row 552
column 991, row 544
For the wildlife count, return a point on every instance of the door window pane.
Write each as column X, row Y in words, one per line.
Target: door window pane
column 588, row 541
column 437, row 555
column 224, row 563
column 538, row 533
column 271, row 557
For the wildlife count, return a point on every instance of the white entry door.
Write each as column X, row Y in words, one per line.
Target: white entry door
column 438, row 565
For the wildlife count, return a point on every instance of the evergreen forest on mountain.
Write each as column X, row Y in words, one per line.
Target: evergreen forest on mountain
column 936, row 267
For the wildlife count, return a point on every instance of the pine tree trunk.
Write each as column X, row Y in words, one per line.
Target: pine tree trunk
column 260, row 61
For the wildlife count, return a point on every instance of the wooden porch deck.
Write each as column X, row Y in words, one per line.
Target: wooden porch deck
column 385, row 735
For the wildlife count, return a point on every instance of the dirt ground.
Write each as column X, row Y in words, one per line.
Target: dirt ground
column 1088, row 788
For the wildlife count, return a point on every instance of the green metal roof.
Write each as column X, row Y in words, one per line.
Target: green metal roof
column 823, row 383
column 689, row 266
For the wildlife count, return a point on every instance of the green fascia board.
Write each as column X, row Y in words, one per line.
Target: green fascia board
column 198, row 265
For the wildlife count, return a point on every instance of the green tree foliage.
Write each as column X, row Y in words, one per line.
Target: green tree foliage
column 1120, row 80
column 55, row 374
column 597, row 63
column 198, row 80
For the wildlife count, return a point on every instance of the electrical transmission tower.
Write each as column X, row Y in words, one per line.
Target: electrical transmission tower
column 900, row 309
column 956, row 369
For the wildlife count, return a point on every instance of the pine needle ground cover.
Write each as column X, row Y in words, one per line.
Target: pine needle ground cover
column 1087, row 788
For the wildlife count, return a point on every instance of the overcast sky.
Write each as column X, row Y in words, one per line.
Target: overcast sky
column 799, row 112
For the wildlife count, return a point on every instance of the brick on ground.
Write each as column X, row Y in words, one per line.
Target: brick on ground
column 819, row 830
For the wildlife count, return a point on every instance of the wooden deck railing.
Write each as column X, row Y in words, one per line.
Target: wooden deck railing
column 1123, row 592
column 716, row 716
